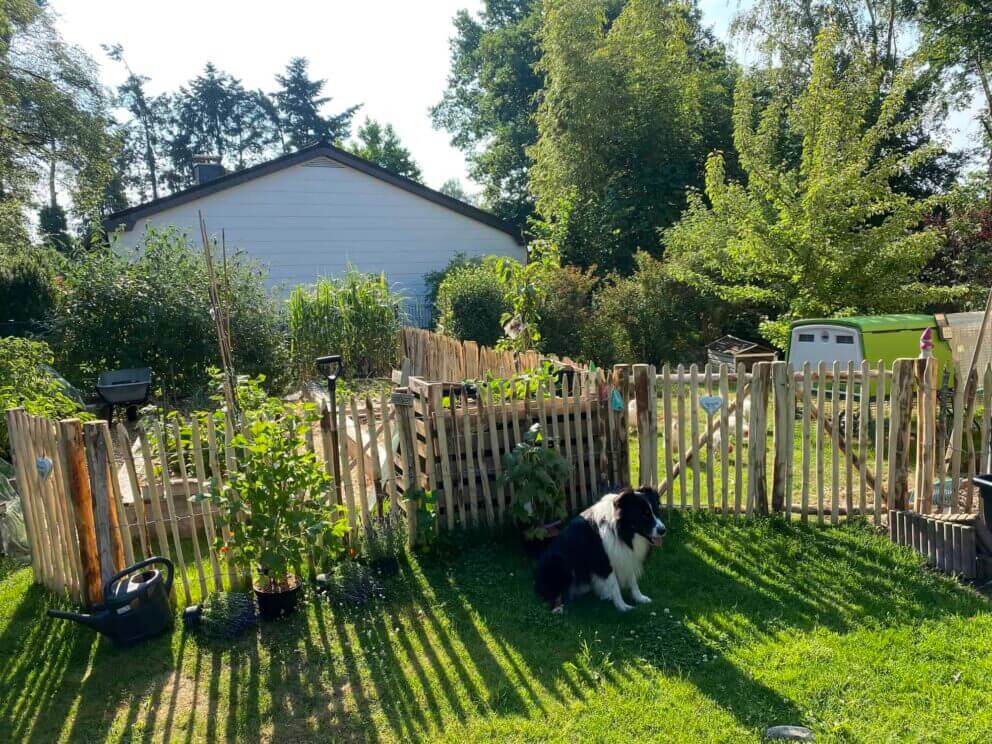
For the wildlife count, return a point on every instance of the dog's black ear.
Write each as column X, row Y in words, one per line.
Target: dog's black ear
column 624, row 497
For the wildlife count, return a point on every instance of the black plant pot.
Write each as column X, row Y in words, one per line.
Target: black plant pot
column 275, row 604
column 534, row 547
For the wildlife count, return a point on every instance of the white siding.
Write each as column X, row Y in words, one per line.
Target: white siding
column 315, row 218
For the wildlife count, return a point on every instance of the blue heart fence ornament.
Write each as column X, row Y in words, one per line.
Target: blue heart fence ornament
column 616, row 400
column 711, row 403
column 44, row 465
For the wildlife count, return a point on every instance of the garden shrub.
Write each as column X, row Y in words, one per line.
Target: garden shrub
column 153, row 311
column 471, row 302
column 26, row 379
column 283, row 486
column 433, row 279
column 650, row 317
column 27, row 285
column 566, row 308
column 356, row 315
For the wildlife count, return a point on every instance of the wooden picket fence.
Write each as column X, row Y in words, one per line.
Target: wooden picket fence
column 114, row 496
column 440, row 358
column 822, row 443
column 463, row 434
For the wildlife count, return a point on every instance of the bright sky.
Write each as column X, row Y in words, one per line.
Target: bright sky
column 389, row 55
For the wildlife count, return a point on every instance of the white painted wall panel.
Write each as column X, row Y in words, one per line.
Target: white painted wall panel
column 311, row 220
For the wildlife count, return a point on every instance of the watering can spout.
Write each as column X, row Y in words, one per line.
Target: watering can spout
column 92, row 620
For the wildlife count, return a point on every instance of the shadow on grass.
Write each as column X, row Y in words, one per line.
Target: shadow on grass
column 724, row 583
column 465, row 638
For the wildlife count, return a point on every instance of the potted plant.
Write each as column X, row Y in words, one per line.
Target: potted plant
column 274, row 508
column 536, row 473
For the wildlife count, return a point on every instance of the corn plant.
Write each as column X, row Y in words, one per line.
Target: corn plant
column 356, row 315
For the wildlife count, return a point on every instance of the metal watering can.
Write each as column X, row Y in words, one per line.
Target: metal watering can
column 135, row 604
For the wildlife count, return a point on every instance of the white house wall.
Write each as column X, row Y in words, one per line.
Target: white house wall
column 316, row 218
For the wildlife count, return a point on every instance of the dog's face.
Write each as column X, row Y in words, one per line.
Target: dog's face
column 637, row 514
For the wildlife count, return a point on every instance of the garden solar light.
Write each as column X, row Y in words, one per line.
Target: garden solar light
column 331, row 366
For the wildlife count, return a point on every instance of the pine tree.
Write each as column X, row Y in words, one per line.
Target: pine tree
column 299, row 103
column 382, row 146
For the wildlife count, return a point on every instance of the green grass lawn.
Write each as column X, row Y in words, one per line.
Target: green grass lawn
column 752, row 624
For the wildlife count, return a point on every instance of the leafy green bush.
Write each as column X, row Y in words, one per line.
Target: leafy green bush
column 565, row 309
column 26, row 379
column 650, row 317
column 357, row 316
column 153, row 311
column 471, row 303
column 27, row 285
column 283, row 487
column 433, row 279
column 537, row 475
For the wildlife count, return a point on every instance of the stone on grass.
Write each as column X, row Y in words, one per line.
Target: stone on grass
column 789, row 733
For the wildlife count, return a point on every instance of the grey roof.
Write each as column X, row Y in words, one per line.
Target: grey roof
column 127, row 218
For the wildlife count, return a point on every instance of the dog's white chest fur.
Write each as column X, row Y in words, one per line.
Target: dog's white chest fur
column 627, row 562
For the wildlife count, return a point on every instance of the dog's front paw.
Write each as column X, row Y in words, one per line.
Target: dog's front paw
column 623, row 606
column 642, row 599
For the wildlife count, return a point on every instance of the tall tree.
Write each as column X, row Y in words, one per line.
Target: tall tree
column 958, row 35
column 454, row 188
column 632, row 106
column 882, row 32
column 382, row 146
column 491, row 99
column 149, row 116
column 215, row 114
column 299, row 103
column 53, row 120
column 828, row 235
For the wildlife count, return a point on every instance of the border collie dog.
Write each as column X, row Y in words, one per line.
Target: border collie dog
column 603, row 549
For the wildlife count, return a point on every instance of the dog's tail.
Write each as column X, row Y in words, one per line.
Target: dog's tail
column 552, row 578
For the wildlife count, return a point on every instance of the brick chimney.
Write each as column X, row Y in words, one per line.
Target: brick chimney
column 206, row 168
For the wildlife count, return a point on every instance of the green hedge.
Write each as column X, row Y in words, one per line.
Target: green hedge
column 152, row 310
column 471, row 303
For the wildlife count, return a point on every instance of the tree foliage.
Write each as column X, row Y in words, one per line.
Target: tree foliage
column 298, row 109
column 958, row 38
column 633, row 103
column 53, row 120
column 829, row 236
column 381, row 145
column 488, row 107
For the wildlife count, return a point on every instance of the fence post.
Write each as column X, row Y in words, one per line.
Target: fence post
column 926, row 374
column 647, row 423
column 757, row 477
column 900, row 405
column 402, row 400
column 110, row 548
column 70, row 433
column 782, row 440
column 621, row 381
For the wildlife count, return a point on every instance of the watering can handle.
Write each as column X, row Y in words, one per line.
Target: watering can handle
column 131, row 569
